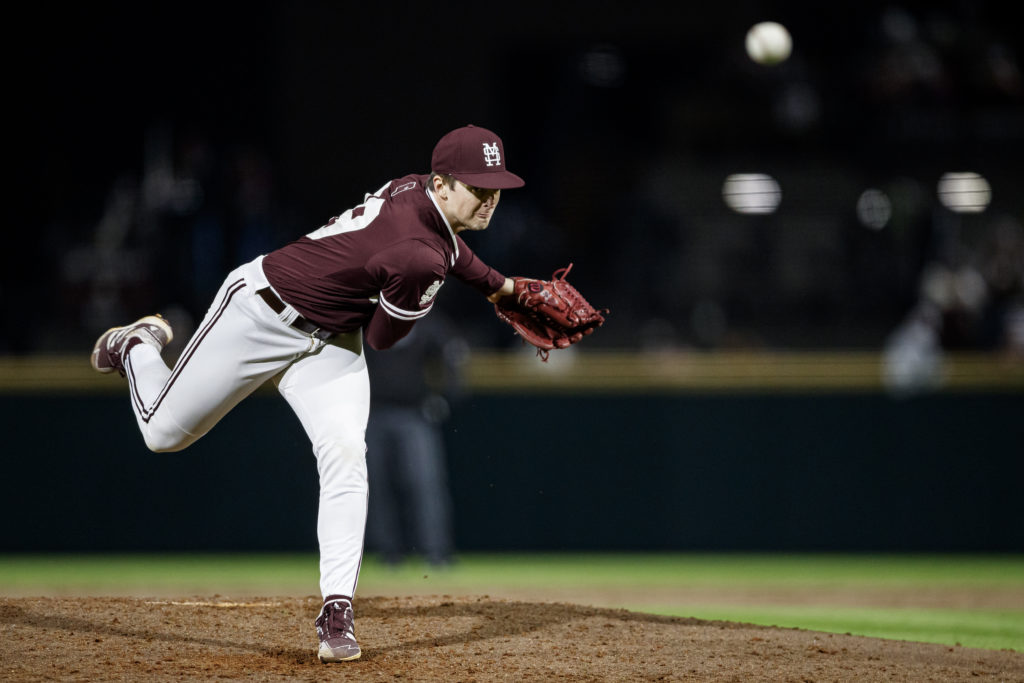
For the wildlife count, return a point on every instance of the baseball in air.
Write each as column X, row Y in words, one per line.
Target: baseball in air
column 769, row 43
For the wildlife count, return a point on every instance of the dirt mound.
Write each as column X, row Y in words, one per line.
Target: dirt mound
column 428, row 638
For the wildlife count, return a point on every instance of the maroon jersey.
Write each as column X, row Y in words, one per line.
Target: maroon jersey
column 378, row 265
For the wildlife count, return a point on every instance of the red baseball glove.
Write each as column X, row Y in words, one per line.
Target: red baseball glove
column 550, row 314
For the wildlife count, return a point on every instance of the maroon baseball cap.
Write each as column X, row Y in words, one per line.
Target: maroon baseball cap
column 476, row 156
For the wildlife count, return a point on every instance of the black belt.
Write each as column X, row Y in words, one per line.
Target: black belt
column 300, row 323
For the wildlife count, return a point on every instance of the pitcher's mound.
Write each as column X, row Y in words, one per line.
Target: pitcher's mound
column 442, row 638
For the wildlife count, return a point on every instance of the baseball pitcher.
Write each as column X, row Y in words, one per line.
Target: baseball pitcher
column 298, row 316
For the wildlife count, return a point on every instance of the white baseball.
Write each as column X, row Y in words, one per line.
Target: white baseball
column 769, row 43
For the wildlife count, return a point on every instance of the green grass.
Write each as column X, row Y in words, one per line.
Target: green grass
column 985, row 628
column 605, row 574
column 793, row 570
column 144, row 574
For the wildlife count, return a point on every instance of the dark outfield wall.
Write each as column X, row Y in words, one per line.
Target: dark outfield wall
column 683, row 472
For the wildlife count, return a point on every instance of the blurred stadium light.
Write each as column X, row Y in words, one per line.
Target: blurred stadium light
column 756, row 193
column 874, row 209
column 964, row 192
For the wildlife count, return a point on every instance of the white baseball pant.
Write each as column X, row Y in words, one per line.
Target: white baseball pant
column 240, row 344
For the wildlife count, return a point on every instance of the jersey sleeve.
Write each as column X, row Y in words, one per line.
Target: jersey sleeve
column 410, row 276
column 474, row 272
column 383, row 331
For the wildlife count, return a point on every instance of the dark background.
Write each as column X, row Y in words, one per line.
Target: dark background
column 156, row 146
column 748, row 472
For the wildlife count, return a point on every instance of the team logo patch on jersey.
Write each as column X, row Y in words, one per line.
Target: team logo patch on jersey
column 431, row 292
column 491, row 154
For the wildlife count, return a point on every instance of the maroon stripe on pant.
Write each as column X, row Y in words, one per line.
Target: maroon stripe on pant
column 146, row 413
column 362, row 550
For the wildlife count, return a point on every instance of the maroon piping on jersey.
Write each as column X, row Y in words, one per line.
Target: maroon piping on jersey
column 146, row 414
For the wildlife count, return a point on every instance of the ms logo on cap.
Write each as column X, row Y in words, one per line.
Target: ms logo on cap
column 491, row 154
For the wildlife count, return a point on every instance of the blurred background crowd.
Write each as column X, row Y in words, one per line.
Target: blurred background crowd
column 159, row 145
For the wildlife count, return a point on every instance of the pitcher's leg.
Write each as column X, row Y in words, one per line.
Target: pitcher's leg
column 329, row 390
column 238, row 346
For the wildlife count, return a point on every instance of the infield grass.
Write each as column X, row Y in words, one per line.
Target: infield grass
column 815, row 592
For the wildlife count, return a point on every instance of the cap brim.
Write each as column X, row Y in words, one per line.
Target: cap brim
column 502, row 180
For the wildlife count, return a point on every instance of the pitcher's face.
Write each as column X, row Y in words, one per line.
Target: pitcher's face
column 470, row 208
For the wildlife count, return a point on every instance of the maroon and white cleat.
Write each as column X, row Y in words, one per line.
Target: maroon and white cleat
column 336, row 628
column 113, row 345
